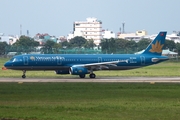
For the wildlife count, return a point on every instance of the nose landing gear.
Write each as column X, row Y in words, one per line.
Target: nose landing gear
column 24, row 74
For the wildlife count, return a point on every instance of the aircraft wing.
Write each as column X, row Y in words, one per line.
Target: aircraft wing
column 100, row 64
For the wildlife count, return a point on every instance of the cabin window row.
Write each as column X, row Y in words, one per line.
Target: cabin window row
column 78, row 60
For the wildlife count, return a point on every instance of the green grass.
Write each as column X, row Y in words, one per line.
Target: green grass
column 79, row 101
column 169, row 68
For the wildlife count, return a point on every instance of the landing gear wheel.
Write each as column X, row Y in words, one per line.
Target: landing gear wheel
column 92, row 75
column 82, row 76
column 23, row 76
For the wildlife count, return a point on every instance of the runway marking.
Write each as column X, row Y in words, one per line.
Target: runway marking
column 151, row 80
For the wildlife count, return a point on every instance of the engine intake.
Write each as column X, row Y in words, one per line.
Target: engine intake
column 78, row 71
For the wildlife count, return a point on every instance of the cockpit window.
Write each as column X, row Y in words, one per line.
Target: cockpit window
column 13, row 59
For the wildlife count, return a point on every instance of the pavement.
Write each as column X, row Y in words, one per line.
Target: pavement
column 151, row 80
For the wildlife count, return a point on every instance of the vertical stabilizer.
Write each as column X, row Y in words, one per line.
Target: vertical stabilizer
column 156, row 46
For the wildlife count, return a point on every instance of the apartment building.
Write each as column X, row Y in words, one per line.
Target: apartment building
column 89, row 29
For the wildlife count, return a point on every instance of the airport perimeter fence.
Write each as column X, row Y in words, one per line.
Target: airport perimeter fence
column 10, row 52
column 21, row 50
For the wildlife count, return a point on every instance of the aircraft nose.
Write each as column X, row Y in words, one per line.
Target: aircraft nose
column 7, row 64
column 5, row 67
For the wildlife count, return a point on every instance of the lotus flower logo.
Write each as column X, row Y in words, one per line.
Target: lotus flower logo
column 32, row 58
column 157, row 47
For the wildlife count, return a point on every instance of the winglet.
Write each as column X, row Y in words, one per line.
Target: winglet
column 156, row 46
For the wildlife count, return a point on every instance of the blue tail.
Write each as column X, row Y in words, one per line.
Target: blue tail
column 156, row 45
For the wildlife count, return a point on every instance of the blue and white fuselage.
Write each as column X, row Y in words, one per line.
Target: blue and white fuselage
column 65, row 61
column 82, row 64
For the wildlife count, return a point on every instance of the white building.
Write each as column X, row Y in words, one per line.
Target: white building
column 8, row 39
column 89, row 29
column 173, row 37
column 138, row 35
column 108, row 34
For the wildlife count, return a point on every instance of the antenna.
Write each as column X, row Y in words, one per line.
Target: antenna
column 27, row 32
column 120, row 29
column 20, row 29
column 123, row 26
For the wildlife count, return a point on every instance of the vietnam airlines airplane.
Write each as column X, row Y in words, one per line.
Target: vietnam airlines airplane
column 82, row 64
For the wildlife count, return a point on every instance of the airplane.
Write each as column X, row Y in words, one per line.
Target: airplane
column 82, row 64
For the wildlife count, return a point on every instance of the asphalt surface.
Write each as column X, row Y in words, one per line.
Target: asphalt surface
column 151, row 80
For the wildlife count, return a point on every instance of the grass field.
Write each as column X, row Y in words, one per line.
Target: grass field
column 168, row 68
column 91, row 101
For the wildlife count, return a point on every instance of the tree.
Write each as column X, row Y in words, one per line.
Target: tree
column 142, row 44
column 25, row 41
column 108, row 45
column 78, row 42
column 65, row 44
column 56, row 48
column 47, row 48
column 131, row 46
column 178, row 48
column 89, row 44
column 51, row 47
column 3, row 46
column 122, row 45
column 169, row 44
column 25, row 44
column 113, row 45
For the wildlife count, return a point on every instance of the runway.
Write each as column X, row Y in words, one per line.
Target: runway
column 105, row 79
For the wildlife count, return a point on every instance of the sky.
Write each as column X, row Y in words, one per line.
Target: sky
column 56, row 17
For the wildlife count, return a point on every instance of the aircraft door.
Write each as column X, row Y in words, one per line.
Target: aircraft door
column 99, row 59
column 25, row 60
column 59, row 60
column 142, row 60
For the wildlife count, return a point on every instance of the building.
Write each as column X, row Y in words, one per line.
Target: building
column 43, row 38
column 9, row 39
column 174, row 36
column 141, row 33
column 138, row 35
column 107, row 34
column 89, row 29
column 61, row 39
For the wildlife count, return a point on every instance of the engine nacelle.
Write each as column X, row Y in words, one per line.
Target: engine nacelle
column 78, row 71
column 62, row 71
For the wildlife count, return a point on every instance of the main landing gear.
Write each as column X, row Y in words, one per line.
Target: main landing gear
column 24, row 74
column 92, row 75
column 82, row 76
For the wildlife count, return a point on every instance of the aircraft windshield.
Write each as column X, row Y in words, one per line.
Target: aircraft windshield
column 13, row 59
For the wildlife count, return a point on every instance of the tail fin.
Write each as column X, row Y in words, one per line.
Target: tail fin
column 156, row 46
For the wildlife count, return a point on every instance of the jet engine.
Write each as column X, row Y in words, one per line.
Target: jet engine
column 78, row 71
column 62, row 71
